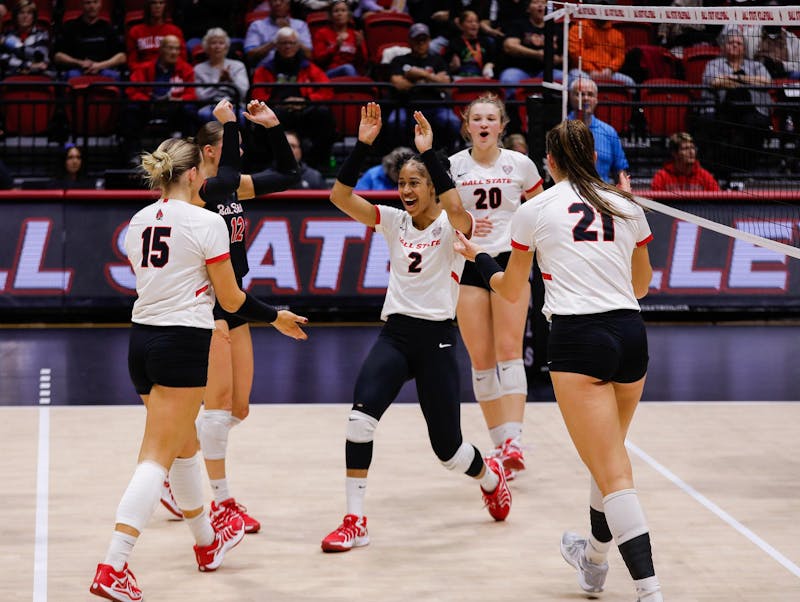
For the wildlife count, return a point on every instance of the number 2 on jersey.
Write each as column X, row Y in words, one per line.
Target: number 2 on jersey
column 582, row 231
column 155, row 250
column 416, row 259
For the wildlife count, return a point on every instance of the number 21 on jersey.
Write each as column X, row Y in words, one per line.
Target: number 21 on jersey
column 586, row 230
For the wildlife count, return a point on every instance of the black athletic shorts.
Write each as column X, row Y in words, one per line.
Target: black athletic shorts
column 472, row 277
column 172, row 356
column 610, row 346
column 233, row 320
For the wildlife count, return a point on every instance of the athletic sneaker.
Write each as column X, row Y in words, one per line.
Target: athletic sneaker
column 115, row 585
column 230, row 507
column 228, row 532
column 352, row 533
column 498, row 502
column 168, row 501
column 591, row 576
column 512, row 456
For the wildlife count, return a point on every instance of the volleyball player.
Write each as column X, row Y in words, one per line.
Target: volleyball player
column 491, row 182
column 230, row 367
column 590, row 239
column 178, row 251
column 418, row 340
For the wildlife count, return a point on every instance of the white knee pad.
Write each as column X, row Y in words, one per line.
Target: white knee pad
column 512, row 377
column 360, row 427
column 186, row 481
column 212, row 432
column 462, row 459
column 141, row 496
column 485, row 384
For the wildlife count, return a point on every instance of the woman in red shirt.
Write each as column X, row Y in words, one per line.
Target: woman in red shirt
column 339, row 49
column 144, row 39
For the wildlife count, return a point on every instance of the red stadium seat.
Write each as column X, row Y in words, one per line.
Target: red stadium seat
column 348, row 100
column 694, row 63
column 665, row 103
column 385, row 28
column 95, row 105
column 29, row 102
column 636, row 33
column 317, row 19
column 467, row 89
column 614, row 104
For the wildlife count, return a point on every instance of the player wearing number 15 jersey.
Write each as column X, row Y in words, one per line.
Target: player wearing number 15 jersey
column 591, row 239
column 492, row 182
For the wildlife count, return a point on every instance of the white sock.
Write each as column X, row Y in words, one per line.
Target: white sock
column 489, row 480
column 201, row 528
column 648, row 590
column 597, row 551
column 505, row 431
column 355, row 489
column 119, row 550
column 220, row 489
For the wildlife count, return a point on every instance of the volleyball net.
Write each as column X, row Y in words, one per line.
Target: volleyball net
column 703, row 103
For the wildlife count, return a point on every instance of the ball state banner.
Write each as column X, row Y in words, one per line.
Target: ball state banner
column 64, row 252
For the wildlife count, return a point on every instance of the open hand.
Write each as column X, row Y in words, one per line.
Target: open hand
column 482, row 226
column 466, row 247
column 423, row 134
column 288, row 323
column 370, row 125
column 258, row 112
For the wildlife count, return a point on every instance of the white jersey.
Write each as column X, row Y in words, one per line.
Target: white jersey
column 494, row 192
column 585, row 257
column 424, row 267
column 169, row 244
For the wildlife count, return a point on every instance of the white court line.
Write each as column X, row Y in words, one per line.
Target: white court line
column 42, row 490
column 708, row 504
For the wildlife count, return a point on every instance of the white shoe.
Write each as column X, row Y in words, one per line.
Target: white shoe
column 591, row 576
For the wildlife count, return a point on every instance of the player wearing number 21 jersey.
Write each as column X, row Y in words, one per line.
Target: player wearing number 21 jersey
column 581, row 277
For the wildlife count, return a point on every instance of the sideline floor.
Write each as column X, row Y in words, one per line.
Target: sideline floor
column 724, row 524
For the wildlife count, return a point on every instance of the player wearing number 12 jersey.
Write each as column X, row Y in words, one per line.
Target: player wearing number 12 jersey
column 492, row 182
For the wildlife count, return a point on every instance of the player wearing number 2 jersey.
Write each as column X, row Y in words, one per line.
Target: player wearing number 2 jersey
column 591, row 239
column 180, row 256
column 492, row 182
column 418, row 339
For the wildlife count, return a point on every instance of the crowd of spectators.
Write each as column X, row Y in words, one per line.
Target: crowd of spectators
column 194, row 52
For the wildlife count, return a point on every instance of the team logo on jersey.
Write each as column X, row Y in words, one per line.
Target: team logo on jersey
column 507, row 169
column 159, row 215
column 437, row 231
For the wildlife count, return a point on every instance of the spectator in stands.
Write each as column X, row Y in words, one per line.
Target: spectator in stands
column 260, row 41
column 384, row 175
column 611, row 161
column 436, row 15
column 3, row 10
column 779, row 51
column 143, row 40
column 367, row 7
column 89, row 45
column 310, row 178
column 303, row 7
column 470, row 53
column 339, row 48
column 196, row 17
column 71, row 171
column 602, row 50
column 25, row 46
column 168, row 102
column 677, row 36
column 683, row 170
column 299, row 105
column 524, row 48
column 516, row 142
column 408, row 70
column 509, row 11
column 219, row 69
column 739, row 105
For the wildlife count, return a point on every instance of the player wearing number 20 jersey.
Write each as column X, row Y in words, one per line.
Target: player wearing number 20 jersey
column 180, row 239
column 585, row 256
column 494, row 192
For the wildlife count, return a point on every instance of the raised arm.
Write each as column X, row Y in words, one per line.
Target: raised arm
column 286, row 172
column 459, row 217
column 230, row 164
column 357, row 207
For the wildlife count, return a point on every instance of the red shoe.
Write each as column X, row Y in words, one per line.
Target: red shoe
column 498, row 502
column 115, row 585
column 230, row 507
column 352, row 533
column 512, row 456
column 227, row 534
column 168, row 501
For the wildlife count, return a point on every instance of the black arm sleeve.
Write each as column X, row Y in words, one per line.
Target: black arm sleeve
column 254, row 310
column 487, row 267
column 348, row 172
column 286, row 173
column 442, row 182
column 230, row 166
